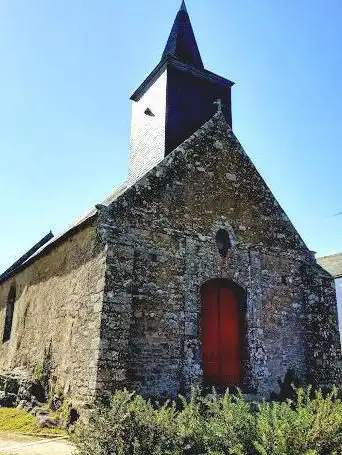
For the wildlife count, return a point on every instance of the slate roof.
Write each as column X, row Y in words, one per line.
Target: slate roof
column 181, row 52
column 28, row 258
column 333, row 264
column 182, row 42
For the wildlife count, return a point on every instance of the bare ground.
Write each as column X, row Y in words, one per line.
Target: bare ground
column 15, row 444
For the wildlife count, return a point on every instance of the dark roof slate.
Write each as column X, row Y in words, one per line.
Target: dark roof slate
column 182, row 42
column 26, row 256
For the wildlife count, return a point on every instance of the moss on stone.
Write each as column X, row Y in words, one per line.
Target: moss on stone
column 15, row 420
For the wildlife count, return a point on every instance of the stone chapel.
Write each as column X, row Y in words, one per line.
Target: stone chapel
column 190, row 273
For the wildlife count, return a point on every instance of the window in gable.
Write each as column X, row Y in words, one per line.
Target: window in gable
column 223, row 242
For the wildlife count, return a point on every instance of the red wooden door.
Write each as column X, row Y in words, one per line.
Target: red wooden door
column 221, row 336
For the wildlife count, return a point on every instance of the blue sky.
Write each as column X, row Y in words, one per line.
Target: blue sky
column 67, row 70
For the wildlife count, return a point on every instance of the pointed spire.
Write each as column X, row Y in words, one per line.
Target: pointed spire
column 183, row 7
column 182, row 42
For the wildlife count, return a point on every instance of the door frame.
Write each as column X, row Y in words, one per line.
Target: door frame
column 241, row 296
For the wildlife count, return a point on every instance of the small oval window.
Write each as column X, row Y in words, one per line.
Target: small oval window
column 223, row 242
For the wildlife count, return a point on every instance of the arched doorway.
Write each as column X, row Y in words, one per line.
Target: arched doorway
column 222, row 332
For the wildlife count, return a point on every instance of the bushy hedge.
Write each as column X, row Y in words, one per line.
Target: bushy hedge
column 214, row 425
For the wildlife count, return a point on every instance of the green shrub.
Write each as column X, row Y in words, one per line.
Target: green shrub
column 214, row 425
column 310, row 425
column 130, row 425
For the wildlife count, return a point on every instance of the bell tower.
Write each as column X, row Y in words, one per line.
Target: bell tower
column 176, row 99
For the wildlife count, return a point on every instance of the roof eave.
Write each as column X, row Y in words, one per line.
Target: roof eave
column 47, row 248
column 170, row 61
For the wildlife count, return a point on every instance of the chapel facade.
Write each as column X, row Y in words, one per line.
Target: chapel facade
column 190, row 273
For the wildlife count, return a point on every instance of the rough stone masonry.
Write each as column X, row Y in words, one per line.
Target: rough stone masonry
column 117, row 300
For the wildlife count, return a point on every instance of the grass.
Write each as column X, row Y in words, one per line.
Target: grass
column 13, row 420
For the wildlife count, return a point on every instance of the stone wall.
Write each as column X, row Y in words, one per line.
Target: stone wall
column 161, row 244
column 282, row 320
column 58, row 305
column 118, row 300
column 338, row 284
column 322, row 332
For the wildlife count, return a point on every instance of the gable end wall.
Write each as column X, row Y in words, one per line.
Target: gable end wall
column 163, row 249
